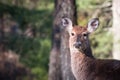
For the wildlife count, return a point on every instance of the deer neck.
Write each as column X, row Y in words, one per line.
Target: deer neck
column 80, row 63
column 88, row 52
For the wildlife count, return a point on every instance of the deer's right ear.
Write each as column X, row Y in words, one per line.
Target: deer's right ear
column 67, row 23
column 93, row 25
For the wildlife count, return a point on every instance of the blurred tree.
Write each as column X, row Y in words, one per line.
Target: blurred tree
column 33, row 42
column 54, row 61
column 1, row 27
column 59, row 68
column 10, row 66
column 116, row 29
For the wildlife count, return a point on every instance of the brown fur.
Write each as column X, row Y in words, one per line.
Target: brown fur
column 85, row 66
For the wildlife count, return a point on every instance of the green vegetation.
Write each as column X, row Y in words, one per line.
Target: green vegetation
column 34, row 52
column 101, row 40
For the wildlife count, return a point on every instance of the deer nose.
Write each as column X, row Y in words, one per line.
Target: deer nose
column 77, row 44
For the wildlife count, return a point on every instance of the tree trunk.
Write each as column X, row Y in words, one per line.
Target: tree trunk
column 55, row 64
column 67, row 9
column 59, row 67
column 116, row 29
column 1, row 28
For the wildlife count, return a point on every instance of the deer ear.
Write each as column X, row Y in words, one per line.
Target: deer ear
column 93, row 25
column 66, row 22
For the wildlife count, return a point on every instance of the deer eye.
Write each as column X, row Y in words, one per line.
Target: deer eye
column 84, row 34
column 72, row 34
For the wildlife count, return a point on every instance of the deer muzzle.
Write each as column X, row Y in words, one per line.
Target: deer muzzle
column 77, row 45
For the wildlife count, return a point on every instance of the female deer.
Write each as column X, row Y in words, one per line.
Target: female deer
column 84, row 65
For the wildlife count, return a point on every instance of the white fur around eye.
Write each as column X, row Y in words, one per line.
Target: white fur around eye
column 84, row 35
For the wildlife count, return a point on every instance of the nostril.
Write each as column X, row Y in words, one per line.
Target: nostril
column 77, row 45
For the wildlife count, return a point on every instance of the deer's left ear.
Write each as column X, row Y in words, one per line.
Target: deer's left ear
column 66, row 22
column 92, row 25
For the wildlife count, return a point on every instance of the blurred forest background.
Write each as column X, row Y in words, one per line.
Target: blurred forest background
column 26, row 30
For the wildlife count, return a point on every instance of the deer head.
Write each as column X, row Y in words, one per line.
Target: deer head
column 79, row 36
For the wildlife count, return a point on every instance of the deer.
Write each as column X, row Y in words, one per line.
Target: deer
column 84, row 65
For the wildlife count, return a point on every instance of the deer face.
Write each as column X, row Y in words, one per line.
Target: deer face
column 78, row 40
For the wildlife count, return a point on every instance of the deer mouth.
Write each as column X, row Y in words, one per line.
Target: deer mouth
column 79, row 47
